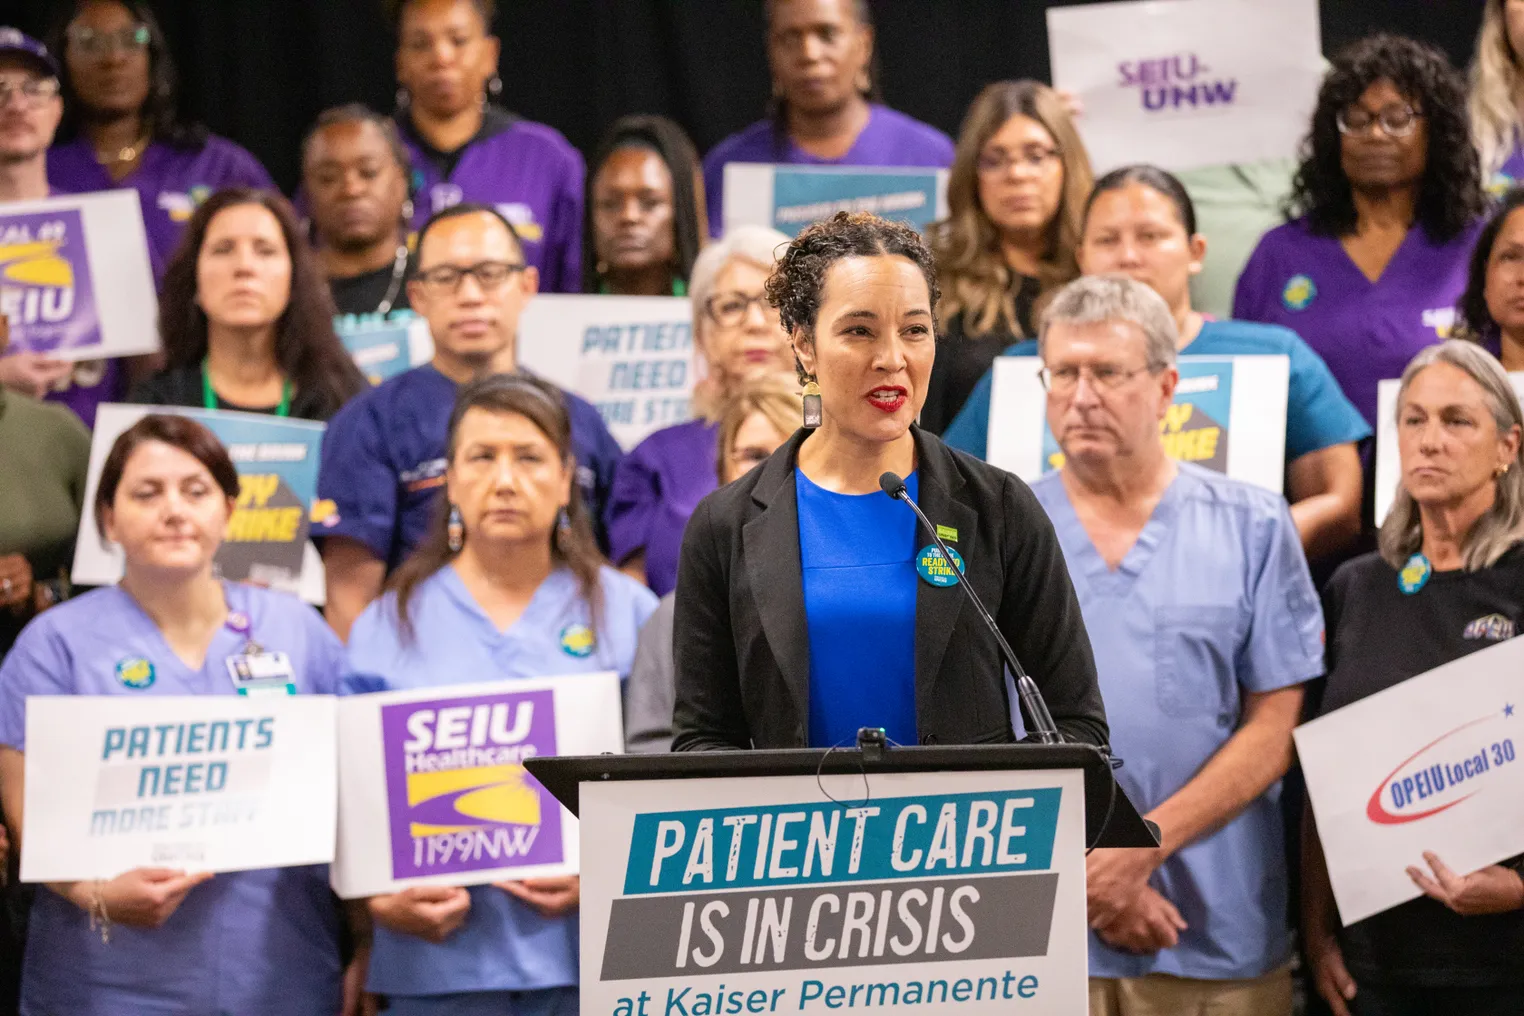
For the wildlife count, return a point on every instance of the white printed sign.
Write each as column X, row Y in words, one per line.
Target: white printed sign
column 789, row 198
column 1229, row 415
column 432, row 784
column 939, row 892
column 1388, row 459
column 1429, row 764
column 630, row 356
column 75, row 279
column 1188, row 83
column 267, row 538
column 203, row 783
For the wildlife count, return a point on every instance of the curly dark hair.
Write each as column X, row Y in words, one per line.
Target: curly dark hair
column 797, row 283
column 1450, row 196
column 306, row 348
column 1474, row 320
column 160, row 112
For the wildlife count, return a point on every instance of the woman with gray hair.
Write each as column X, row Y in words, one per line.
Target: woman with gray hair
column 1447, row 580
column 737, row 336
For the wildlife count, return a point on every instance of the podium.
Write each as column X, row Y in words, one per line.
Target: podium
column 805, row 881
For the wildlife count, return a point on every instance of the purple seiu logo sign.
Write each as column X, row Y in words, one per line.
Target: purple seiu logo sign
column 45, row 286
column 458, row 796
column 1181, row 81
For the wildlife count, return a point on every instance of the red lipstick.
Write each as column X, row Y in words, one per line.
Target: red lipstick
column 888, row 398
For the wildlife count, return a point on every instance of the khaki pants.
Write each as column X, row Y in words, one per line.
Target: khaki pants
column 1162, row 995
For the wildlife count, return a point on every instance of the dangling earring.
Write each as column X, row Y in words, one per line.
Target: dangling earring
column 494, row 86
column 404, row 100
column 563, row 526
column 456, row 530
column 407, row 210
column 812, row 412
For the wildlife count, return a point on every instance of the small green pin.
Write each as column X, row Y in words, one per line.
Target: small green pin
column 947, row 533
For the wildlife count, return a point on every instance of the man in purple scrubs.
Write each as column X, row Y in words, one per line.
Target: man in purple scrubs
column 30, row 109
column 821, row 55
column 121, row 127
column 465, row 148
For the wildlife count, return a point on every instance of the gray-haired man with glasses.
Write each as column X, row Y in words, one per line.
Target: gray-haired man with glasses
column 1205, row 624
column 384, row 453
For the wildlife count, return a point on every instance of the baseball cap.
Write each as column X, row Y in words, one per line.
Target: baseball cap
column 13, row 41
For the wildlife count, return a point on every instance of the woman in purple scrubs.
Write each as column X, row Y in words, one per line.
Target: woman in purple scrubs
column 658, row 484
column 1390, row 200
column 467, row 148
column 825, row 108
column 121, row 129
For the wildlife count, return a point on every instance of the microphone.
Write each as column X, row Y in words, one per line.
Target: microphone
column 1026, row 689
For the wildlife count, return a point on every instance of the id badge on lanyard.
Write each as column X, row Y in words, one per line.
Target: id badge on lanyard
column 254, row 671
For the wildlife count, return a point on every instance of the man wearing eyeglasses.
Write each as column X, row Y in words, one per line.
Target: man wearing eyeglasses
column 1205, row 624
column 384, row 453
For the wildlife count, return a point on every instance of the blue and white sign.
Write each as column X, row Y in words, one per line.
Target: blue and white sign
column 789, row 198
column 956, row 891
column 383, row 347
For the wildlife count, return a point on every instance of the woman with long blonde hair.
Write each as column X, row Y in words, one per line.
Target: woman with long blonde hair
column 1496, row 103
column 1015, row 196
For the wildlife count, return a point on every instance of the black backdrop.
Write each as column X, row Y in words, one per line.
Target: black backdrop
column 259, row 70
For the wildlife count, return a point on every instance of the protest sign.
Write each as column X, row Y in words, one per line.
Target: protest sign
column 1229, row 415
column 75, row 280
column 204, row 783
column 1188, row 83
column 267, row 536
column 1429, row 764
column 942, row 891
column 432, row 786
column 383, row 347
column 1388, row 460
column 630, row 356
column 789, row 198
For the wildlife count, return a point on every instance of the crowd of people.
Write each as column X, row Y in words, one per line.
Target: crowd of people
column 481, row 522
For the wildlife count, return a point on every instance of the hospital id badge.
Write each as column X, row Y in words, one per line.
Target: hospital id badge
column 262, row 674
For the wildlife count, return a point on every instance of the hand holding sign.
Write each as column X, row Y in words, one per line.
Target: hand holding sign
column 430, row 912
column 140, row 898
column 1491, row 890
column 552, row 897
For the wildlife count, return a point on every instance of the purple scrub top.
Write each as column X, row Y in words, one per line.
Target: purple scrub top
column 1365, row 331
column 890, row 139
column 656, row 487
column 171, row 182
column 530, row 173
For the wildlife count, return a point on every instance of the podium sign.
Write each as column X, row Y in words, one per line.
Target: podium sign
column 809, row 893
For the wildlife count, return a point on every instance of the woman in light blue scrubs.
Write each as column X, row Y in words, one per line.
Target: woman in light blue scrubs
column 507, row 583
column 179, row 943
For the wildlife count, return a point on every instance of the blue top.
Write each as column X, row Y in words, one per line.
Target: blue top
column 246, row 942
column 504, row 944
column 857, row 553
column 383, row 461
column 1317, row 413
column 1212, row 602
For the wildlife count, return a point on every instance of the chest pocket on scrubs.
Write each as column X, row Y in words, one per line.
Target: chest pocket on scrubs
column 1194, row 648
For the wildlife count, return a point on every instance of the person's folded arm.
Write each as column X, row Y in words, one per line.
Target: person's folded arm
column 1324, row 488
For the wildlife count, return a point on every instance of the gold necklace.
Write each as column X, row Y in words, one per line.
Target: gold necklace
column 127, row 153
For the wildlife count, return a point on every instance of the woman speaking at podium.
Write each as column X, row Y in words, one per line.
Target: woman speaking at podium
column 809, row 604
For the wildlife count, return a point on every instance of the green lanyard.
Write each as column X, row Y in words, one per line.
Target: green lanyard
column 679, row 288
column 209, row 397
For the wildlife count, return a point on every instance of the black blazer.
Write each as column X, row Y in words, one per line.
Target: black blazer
column 741, row 649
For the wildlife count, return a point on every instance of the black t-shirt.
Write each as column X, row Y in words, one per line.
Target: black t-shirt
column 1379, row 636
column 362, row 294
column 962, row 359
column 181, row 386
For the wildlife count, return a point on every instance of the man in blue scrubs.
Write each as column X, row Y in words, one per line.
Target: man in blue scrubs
column 1205, row 624
column 384, row 453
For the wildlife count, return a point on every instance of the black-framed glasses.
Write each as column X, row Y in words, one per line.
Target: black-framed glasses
column 93, row 42
column 730, row 309
column 1033, row 157
column 1065, row 379
column 1395, row 121
column 33, row 91
column 489, row 275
